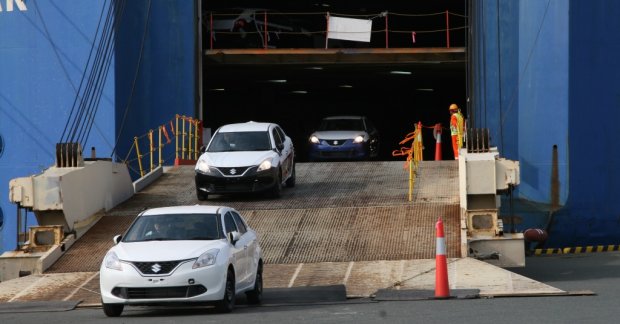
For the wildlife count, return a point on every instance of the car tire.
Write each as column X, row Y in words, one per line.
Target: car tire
column 227, row 304
column 254, row 295
column 201, row 195
column 290, row 182
column 112, row 310
column 276, row 191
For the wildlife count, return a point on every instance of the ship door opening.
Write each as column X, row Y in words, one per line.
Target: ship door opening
column 275, row 64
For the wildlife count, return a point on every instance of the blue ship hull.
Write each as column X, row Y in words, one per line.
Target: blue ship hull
column 44, row 52
column 545, row 81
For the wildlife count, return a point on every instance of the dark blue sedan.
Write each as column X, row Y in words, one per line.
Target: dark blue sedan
column 344, row 138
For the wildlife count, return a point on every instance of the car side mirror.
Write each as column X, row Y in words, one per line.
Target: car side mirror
column 203, row 149
column 117, row 238
column 233, row 237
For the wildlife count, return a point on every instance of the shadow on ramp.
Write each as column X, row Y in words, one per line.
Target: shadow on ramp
column 304, row 295
column 38, row 306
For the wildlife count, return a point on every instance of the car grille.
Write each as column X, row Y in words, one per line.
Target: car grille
column 157, row 268
column 234, row 187
column 336, row 142
column 233, row 172
column 159, row 292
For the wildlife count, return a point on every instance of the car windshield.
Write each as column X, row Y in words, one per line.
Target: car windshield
column 175, row 227
column 341, row 125
column 240, row 141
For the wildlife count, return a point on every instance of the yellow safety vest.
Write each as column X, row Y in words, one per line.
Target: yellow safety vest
column 459, row 128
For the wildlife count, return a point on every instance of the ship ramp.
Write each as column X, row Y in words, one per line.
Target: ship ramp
column 344, row 223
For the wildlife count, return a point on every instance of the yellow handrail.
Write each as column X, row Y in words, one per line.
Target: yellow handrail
column 413, row 153
column 188, row 142
column 135, row 142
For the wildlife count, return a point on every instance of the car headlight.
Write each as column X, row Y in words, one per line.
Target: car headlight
column 265, row 165
column 314, row 139
column 206, row 259
column 203, row 166
column 358, row 139
column 111, row 261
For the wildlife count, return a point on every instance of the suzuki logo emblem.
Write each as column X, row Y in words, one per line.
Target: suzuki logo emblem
column 156, row 268
column 233, row 171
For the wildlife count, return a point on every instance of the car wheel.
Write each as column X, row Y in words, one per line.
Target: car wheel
column 375, row 149
column 201, row 195
column 112, row 310
column 254, row 295
column 227, row 304
column 276, row 191
column 290, row 182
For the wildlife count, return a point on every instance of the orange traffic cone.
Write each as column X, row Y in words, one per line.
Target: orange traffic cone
column 437, row 134
column 442, row 290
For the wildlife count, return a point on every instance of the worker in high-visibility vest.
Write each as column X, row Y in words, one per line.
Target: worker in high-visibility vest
column 456, row 129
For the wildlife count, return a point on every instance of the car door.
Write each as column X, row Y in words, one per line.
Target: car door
column 287, row 153
column 238, row 251
column 279, row 144
column 248, row 241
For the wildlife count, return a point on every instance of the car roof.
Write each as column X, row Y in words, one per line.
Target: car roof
column 250, row 126
column 344, row 117
column 194, row 209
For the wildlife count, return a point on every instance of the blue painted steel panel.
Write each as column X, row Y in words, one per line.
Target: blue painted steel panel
column 592, row 213
column 163, row 68
column 44, row 48
column 543, row 97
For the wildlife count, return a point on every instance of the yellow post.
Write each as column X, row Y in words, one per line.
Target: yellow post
column 410, row 179
column 196, row 148
column 418, row 144
column 183, row 138
column 189, row 140
column 135, row 140
column 176, row 138
column 160, row 145
column 151, row 148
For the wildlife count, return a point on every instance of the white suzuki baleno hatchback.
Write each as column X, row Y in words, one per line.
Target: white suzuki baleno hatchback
column 246, row 157
column 184, row 254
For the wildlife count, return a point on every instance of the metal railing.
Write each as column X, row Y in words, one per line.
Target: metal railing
column 413, row 154
column 262, row 27
column 187, row 133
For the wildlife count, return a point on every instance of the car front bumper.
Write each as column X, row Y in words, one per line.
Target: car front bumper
column 347, row 151
column 251, row 181
column 128, row 286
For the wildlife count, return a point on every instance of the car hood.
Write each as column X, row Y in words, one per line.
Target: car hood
column 237, row 159
column 336, row 135
column 164, row 250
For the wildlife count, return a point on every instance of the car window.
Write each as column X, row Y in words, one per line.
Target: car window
column 240, row 223
column 281, row 133
column 341, row 124
column 239, row 141
column 369, row 125
column 229, row 223
column 174, row 227
column 276, row 137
